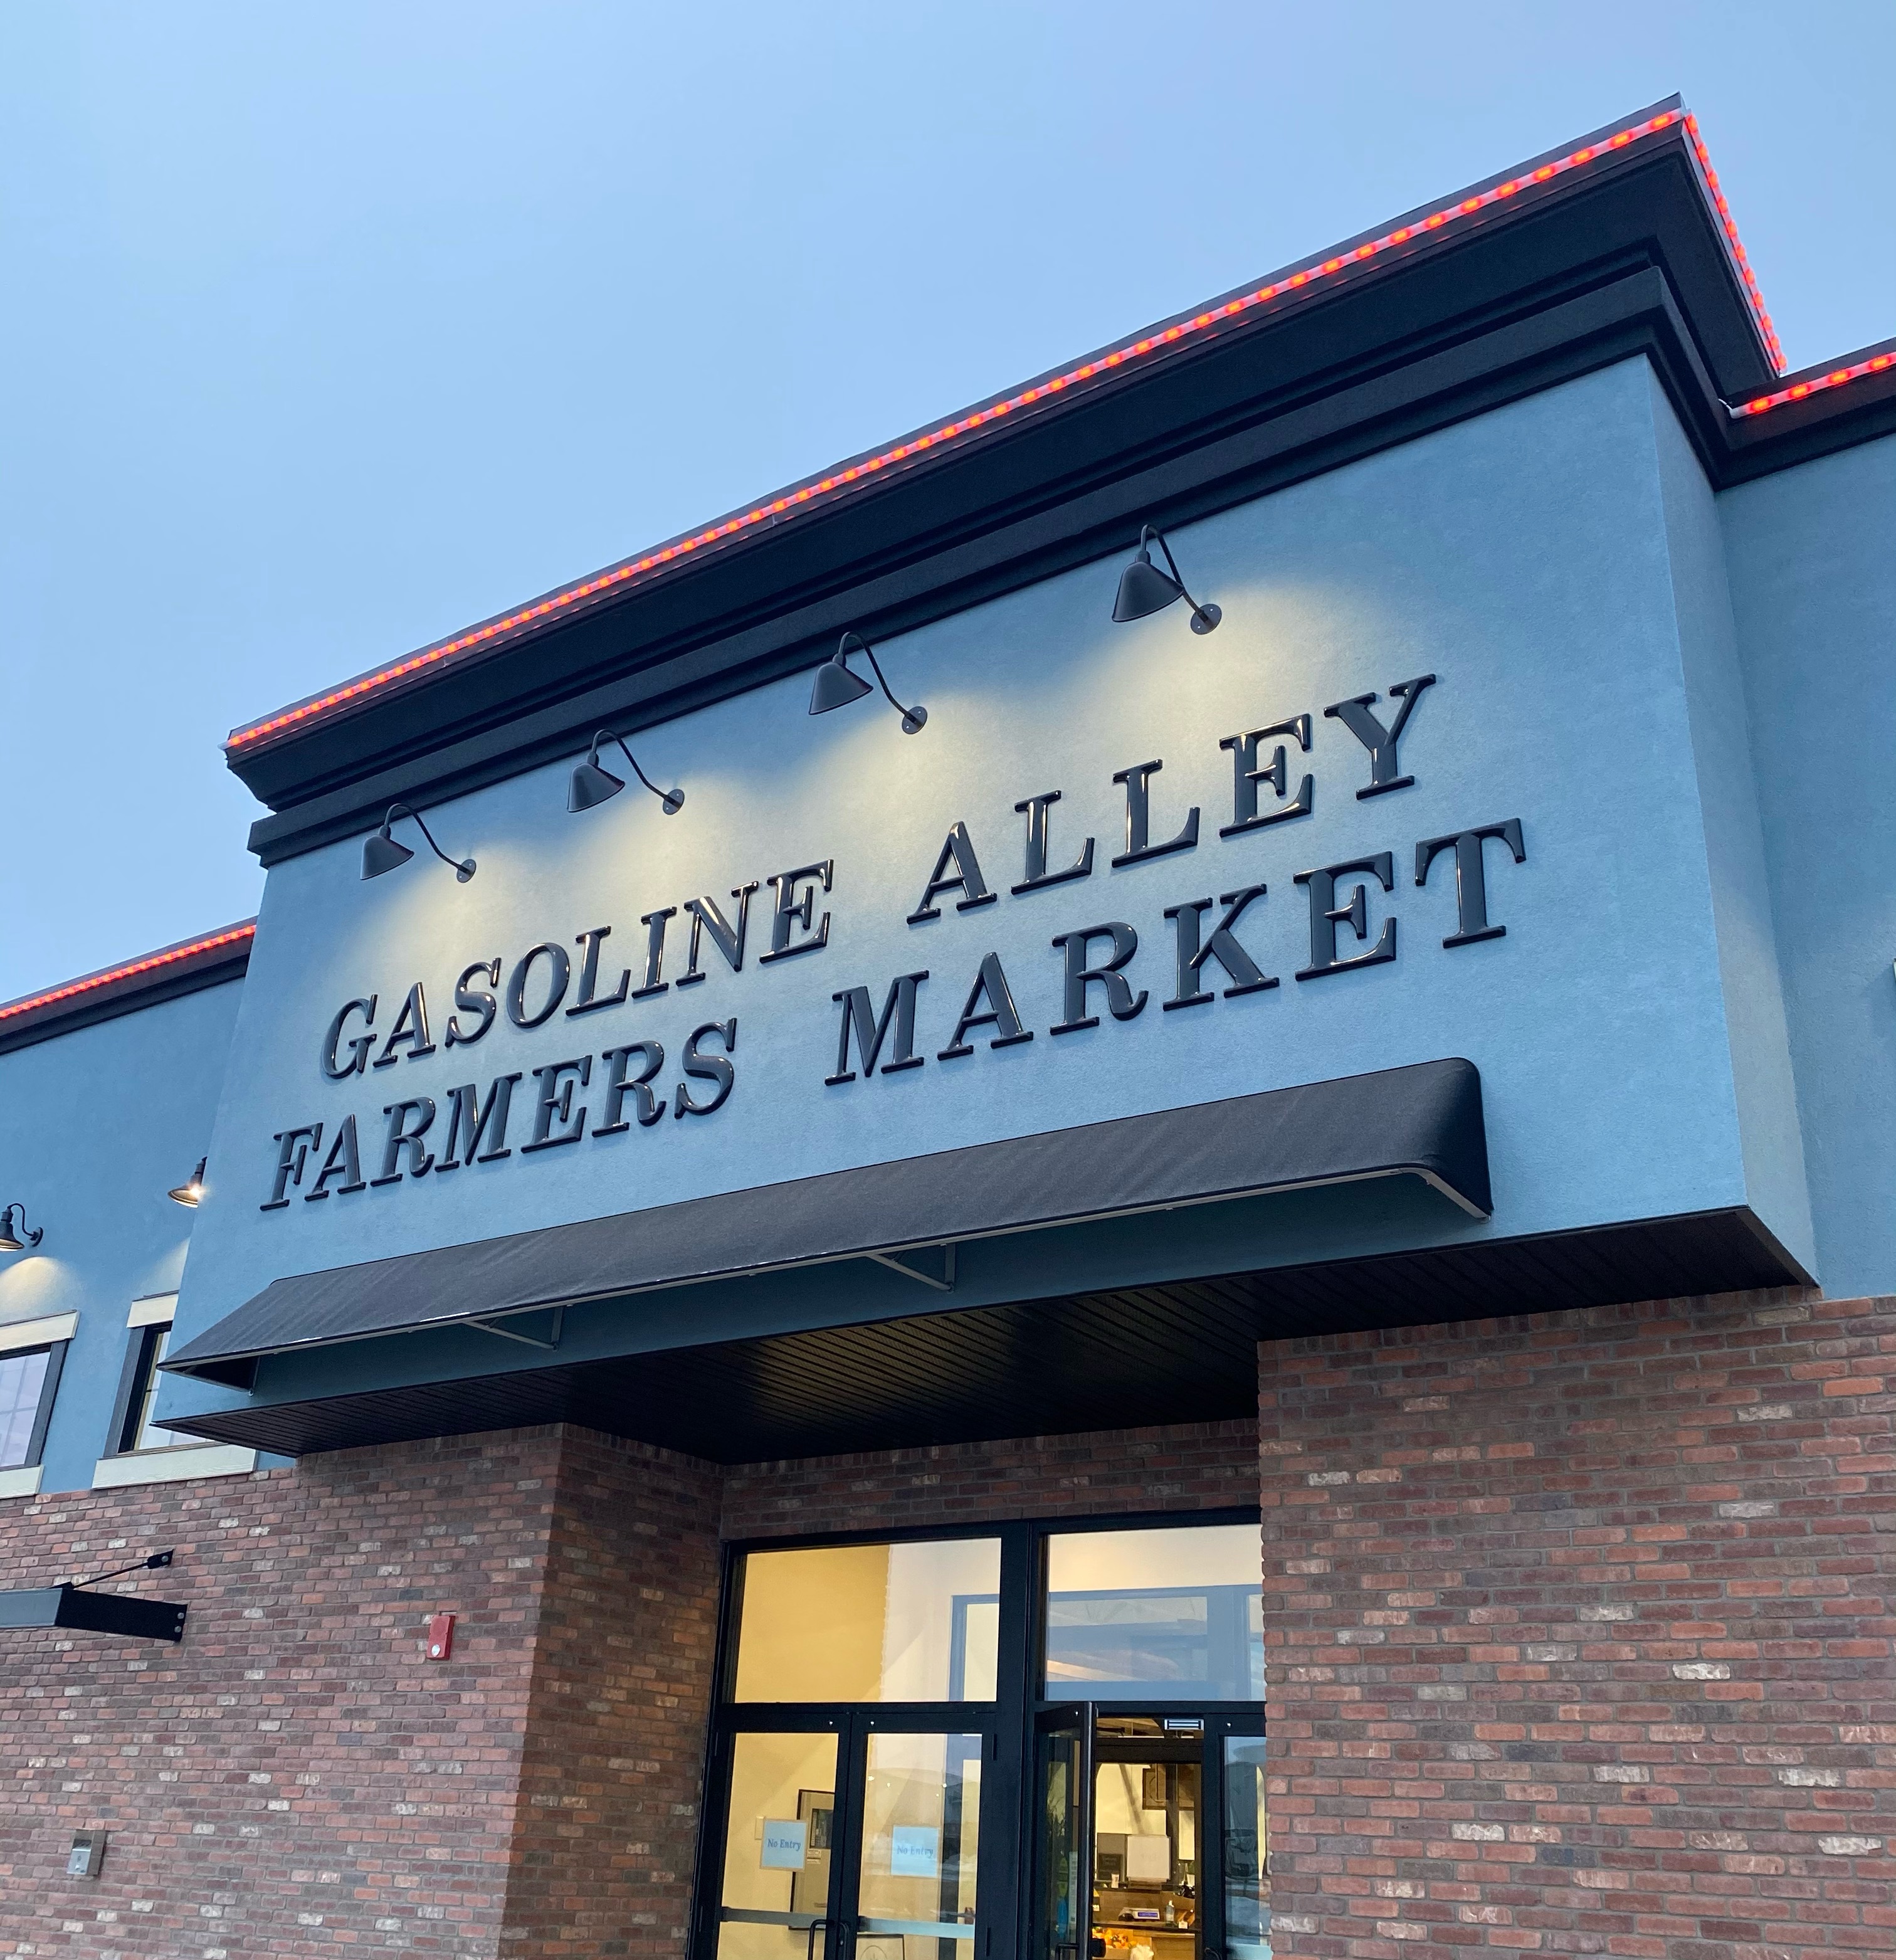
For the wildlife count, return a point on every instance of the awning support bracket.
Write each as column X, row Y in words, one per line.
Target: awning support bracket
column 525, row 1340
column 945, row 1283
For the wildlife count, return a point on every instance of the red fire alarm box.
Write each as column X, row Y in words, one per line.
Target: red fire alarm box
column 440, row 1636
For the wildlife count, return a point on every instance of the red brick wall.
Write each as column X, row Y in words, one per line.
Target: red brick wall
column 1580, row 1643
column 297, row 1780
column 1580, row 1634
column 1191, row 1466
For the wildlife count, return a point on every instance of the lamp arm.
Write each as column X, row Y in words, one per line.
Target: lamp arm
column 1149, row 532
column 15, row 1214
column 611, row 734
column 402, row 809
column 876, row 666
column 1199, row 612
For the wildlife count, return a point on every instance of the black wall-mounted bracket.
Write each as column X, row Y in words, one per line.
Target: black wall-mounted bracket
column 82, row 1611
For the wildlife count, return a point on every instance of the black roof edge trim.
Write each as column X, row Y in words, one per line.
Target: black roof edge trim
column 1830, row 418
column 1724, row 321
column 130, row 995
column 1626, row 311
column 1605, row 163
column 657, row 649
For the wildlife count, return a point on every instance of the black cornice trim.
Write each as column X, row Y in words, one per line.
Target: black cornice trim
column 1202, row 326
column 1631, row 314
column 1627, row 262
column 1833, row 418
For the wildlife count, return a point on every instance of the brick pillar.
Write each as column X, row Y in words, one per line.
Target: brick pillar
column 613, row 1757
column 1579, row 1636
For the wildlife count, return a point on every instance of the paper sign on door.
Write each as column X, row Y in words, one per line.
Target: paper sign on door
column 785, row 1839
column 914, row 1852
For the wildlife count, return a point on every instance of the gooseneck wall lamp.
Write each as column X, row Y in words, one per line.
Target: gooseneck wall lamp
column 381, row 853
column 15, row 1236
column 190, row 1194
column 837, row 684
column 1143, row 588
column 591, row 785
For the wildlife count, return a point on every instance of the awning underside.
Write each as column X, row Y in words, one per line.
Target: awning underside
column 1140, row 1357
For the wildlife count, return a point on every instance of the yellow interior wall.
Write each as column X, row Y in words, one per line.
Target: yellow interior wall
column 812, row 1627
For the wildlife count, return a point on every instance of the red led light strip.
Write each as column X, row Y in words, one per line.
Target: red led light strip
column 793, row 500
column 1738, row 252
column 95, row 981
column 1875, row 365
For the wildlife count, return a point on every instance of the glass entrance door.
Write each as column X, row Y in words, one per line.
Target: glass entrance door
column 777, row 1900
column 861, row 1840
column 1150, row 1832
column 1234, row 1753
column 918, row 1845
column 1062, row 1884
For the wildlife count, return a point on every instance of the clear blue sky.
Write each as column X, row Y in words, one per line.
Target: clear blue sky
column 329, row 329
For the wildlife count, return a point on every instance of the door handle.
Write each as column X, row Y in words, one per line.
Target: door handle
column 815, row 1926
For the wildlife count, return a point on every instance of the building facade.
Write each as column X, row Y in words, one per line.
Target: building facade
column 1210, row 1275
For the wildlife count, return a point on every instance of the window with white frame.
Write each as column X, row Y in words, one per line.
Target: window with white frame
column 22, row 1381
column 31, row 1355
column 133, row 1428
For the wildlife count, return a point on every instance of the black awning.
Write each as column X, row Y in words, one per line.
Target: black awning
column 1185, row 1351
column 1424, row 1121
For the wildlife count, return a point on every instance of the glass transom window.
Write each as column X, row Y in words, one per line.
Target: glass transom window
column 915, row 1622
column 1170, row 1614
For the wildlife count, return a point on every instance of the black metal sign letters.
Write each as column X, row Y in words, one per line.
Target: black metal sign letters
column 1217, row 951
column 1346, row 912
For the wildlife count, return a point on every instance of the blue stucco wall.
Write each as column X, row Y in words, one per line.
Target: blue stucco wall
column 1811, row 557
column 96, row 1126
column 1556, row 563
column 1751, row 989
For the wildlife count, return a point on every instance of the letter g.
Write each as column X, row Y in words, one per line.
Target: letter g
column 358, row 1048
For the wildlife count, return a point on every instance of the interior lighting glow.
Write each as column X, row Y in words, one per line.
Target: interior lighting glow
column 1875, row 365
column 789, row 503
column 171, row 957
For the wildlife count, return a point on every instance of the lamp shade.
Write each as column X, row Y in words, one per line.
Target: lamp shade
column 836, row 686
column 1143, row 588
column 381, row 853
column 191, row 1193
column 591, row 785
column 15, row 1235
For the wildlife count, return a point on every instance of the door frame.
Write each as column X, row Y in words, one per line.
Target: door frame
column 1007, row 1901
column 1218, row 1730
